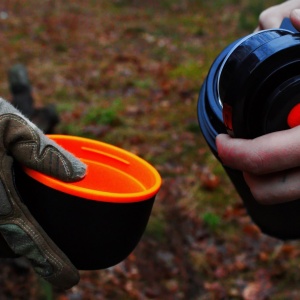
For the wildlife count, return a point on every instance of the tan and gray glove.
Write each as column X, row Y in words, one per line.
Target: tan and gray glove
column 22, row 141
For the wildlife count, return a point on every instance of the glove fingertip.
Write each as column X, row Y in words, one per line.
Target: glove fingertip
column 79, row 170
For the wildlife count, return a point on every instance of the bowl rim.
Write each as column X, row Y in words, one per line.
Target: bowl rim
column 98, row 195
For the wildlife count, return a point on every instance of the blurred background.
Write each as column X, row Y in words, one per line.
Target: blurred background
column 128, row 73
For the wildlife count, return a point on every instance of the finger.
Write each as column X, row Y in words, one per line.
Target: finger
column 295, row 18
column 33, row 149
column 269, row 23
column 275, row 188
column 46, row 259
column 273, row 16
column 50, row 158
column 270, row 153
column 27, row 144
column 38, row 152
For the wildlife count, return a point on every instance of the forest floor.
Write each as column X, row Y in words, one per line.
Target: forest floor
column 129, row 73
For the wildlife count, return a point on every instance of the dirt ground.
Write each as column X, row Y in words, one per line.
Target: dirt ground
column 129, row 73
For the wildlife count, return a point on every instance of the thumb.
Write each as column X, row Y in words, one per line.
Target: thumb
column 26, row 143
column 33, row 149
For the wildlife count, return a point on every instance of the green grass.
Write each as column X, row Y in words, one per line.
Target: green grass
column 136, row 68
column 212, row 220
column 96, row 114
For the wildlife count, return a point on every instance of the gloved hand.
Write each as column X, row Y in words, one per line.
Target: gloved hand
column 22, row 141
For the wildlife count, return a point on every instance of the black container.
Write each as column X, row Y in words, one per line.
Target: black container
column 110, row 236
column 98, row 221
column 249, row 91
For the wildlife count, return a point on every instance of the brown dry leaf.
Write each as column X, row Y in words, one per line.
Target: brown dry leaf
column 251, row 230
column 252, row 292
column 260, row 289
column 216, row 289
column 210, row 181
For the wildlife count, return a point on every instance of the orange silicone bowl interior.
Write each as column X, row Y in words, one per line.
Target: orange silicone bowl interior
column 113, row 174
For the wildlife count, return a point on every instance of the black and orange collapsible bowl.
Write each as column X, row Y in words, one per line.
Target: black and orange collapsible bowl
column 98, row 221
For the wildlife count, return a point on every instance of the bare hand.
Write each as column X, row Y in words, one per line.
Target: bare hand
column 270, row 163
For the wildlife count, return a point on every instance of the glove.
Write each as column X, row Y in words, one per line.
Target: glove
column 22, row 141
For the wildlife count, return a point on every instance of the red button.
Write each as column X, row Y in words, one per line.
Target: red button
column 227, row 116
column 293, row 118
